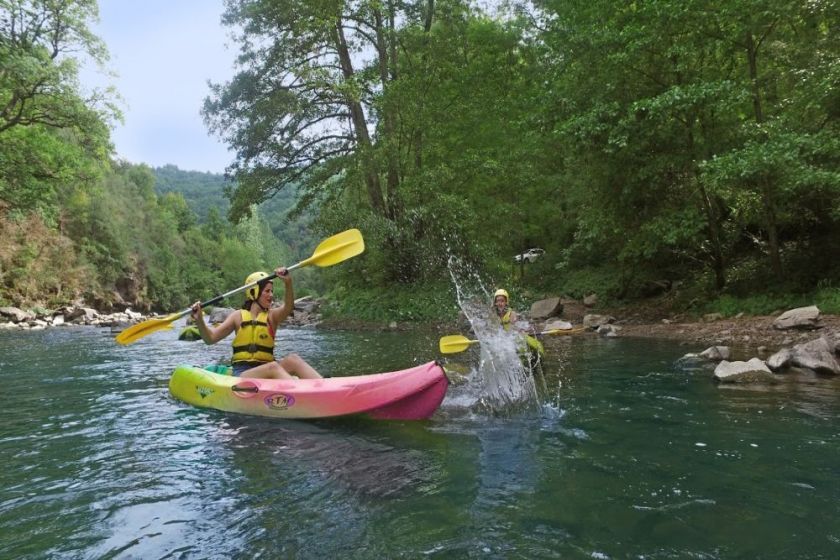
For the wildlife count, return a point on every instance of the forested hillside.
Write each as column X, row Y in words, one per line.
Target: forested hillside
column 672, row 145
column 205, row 194
column 203, row 191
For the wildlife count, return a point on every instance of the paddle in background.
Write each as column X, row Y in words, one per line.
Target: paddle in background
column 332, row 250
column 455, row 343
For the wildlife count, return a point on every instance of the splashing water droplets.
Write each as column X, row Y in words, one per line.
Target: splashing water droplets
column 501, row 383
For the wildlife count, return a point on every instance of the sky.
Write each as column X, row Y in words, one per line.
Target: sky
column 163, row 53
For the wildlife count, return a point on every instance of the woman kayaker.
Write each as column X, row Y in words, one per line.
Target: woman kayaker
column 255, row 325
column 504, row 313
column 507, row 318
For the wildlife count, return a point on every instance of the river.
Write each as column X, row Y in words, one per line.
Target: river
column 627, row 457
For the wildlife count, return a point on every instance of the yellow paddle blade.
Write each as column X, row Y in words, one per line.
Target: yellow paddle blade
column 455, row 343
column 565, row 331
column 147, row 327
column 336, row 249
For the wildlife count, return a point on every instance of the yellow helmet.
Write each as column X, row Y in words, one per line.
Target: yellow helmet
column 253, row 292
column 501, row 292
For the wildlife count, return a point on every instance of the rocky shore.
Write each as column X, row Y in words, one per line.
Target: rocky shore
column 755, row 333
column 742, row 348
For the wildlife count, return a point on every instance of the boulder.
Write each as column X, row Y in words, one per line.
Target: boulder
column 307, row 304
column 81, row 315
column 780, row 359
column 591, row 300
column 742, row 372
column 558, row 325
column 799, row 318
column 692, row 362
column 716, row 353
column 573, row 310
column 608, row 330
column 16, row 315
column 545, row 308
column 593, row 321
column 219, row 314
column 816, row 355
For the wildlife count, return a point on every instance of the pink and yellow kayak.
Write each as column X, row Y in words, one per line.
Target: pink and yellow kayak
column 409, row 394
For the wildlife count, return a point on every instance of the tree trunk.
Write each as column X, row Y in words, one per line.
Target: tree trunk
column 357, row 115
column 387, row 70
column 418, row 133
column 713, row 223
column 765, row 188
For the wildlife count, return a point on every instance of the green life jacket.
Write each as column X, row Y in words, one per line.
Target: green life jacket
column 255, row 340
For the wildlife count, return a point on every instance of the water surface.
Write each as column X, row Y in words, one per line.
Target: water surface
column 627, row 457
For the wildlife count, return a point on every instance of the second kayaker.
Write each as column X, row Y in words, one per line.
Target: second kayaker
column 507, row 318
column 255, row 325
column 501, row 306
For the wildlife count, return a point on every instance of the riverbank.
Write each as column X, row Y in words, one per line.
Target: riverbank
column 754, row 332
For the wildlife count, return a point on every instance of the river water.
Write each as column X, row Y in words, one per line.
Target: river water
column 624, row 457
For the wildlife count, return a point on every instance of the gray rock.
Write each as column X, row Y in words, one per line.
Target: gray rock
column 716, row 353
column 545, row 308
column 780, row 359
column 219, row 314
column 16, row 315
column 692, row 361
column 558, row 325
column 742, row 372
column 816, row 355
column 591, row 300
column 608, row 330
column 593, row 321
column 799, row 318
column 712, row 317
column 307, row 304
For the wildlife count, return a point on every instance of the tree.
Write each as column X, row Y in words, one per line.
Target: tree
column 50, row 133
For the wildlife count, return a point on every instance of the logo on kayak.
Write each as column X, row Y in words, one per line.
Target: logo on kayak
column 279, row 401
column 204, row 392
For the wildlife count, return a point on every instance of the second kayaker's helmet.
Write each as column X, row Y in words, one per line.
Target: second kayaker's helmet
column 501, row 292
column 253, row 293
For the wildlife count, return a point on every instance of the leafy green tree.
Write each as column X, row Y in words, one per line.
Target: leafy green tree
column 653, row 100
column 51, row 135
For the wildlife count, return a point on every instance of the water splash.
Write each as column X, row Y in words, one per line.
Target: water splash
column 501, row 383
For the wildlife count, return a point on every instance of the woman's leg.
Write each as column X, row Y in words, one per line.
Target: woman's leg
column 296, row 365
column 268, row 370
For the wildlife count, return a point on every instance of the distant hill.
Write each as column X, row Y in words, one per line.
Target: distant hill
column 204, row 191
column 201, row 190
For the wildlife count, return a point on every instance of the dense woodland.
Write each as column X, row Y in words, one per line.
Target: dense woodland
column 679, row 145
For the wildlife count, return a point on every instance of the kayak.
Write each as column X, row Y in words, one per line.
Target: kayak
column 409, row 394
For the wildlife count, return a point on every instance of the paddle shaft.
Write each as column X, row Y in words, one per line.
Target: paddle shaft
column 219, row 298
